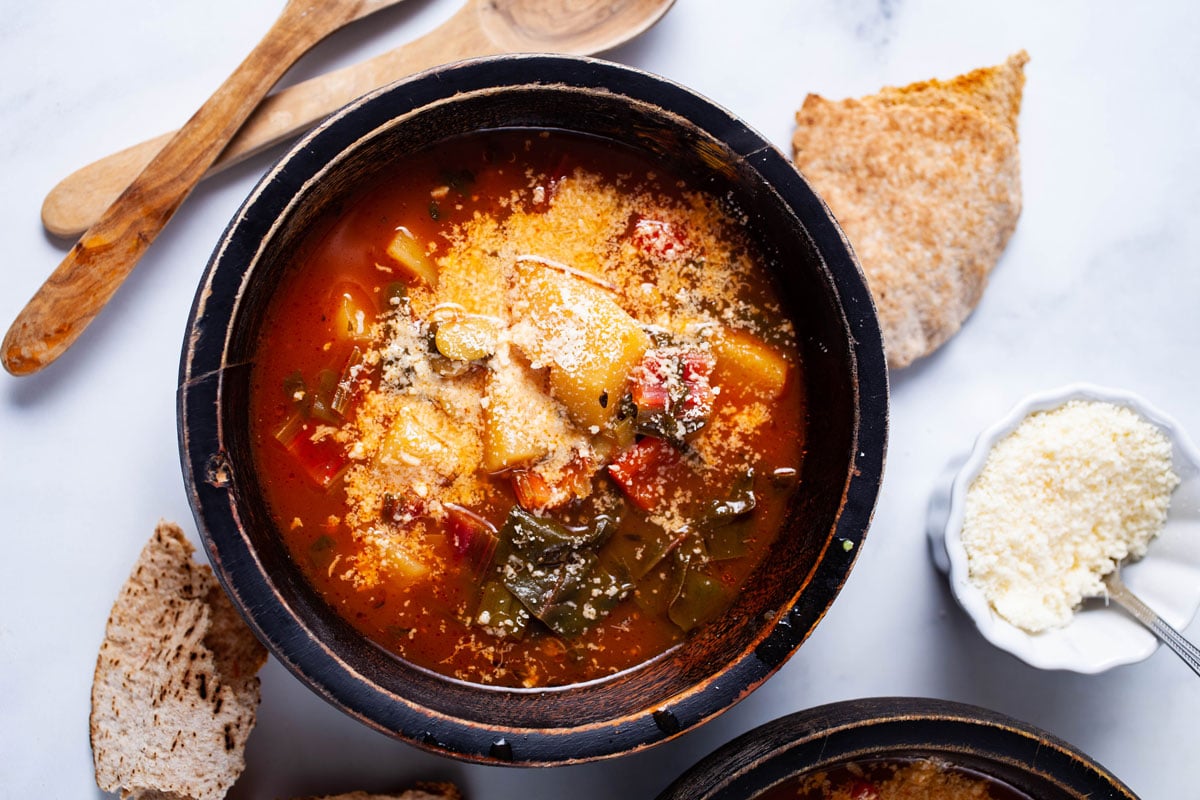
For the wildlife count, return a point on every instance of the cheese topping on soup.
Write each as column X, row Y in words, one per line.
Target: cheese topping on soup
column 543, row 417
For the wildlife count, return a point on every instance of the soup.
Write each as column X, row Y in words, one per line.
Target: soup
column 907, row 779
column 529, row 411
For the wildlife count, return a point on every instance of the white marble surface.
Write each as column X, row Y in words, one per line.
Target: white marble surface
column 1100, row 283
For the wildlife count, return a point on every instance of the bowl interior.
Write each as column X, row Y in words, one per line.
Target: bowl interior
column 1015, row 753
column 846, row 389
column 1099, row 636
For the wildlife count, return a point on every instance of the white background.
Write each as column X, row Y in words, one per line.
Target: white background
column 1100, row 283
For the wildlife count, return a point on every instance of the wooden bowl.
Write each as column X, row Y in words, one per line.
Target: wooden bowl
column 1013, row 752
column 786, row 597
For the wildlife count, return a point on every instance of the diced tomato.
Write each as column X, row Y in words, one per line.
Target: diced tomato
column 641, row 471
column 698, row 402
column 673, row 392
column 659, row 239
column 322, row 458
column 649, row 389
column 533, row 493
column 863, row 790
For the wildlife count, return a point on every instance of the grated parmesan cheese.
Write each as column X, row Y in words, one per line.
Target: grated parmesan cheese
column 565, row 292
column 1059, row 503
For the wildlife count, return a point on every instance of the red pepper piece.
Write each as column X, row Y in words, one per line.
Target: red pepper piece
column 533, row 493
column 323, row 459
column 641, row 471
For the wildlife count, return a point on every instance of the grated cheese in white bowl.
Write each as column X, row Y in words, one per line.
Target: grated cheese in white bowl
column 1059, row 503
column 1068, row 483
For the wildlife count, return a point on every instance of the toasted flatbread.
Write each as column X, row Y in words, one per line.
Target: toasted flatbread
column 925, row 181
column 176, row 690
column 423, row 791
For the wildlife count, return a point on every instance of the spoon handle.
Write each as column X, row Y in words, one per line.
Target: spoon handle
column 79, row 199
column 1145, row 615
column 100, row 261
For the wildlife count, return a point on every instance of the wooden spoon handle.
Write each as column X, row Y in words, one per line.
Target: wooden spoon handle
column 79, row 199
column 97, row 265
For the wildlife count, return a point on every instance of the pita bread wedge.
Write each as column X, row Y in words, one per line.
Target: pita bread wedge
column 423, row 791
column 925, row 181
column 175, row 691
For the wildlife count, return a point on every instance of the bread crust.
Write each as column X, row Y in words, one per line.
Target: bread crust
column 175, row 690
column 925, row 182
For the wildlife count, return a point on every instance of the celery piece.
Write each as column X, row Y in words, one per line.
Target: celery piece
column 344, row 390
column 295, row 390
column 320, row 404
column 395, row 294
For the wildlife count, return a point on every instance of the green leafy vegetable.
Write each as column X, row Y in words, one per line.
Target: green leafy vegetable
column 723, row 525
column 701, row 599
column 500, row 612
column 554, row 572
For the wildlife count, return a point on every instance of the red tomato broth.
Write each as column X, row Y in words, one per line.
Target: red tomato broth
column 429, row 622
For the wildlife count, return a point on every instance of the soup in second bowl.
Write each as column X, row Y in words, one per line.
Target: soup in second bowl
column 894, row 779
column 529, row 411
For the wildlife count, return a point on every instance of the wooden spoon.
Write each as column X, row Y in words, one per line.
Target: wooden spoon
column 481, row 27
column 98, row 263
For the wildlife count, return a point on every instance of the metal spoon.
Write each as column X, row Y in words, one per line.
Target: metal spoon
column 1143, row 614
column 481, row 27
column 101, row 260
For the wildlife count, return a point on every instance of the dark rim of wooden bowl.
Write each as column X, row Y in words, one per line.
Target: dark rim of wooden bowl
column 1013, row 752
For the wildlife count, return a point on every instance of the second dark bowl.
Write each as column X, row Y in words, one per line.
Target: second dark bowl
column 1020, row 755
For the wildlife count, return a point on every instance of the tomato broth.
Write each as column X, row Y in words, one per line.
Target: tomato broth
column 528, row 411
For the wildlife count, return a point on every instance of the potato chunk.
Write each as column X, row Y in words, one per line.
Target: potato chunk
column 424, row 438
column 576, row 328
column 410, row 255
column 521, row 422
column 748, row 364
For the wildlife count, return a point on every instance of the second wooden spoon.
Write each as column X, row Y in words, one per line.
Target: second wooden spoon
column 481, row 27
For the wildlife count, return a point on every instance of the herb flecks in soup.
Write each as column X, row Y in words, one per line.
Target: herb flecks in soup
column 529, row 412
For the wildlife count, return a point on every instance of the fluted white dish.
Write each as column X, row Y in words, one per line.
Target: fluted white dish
column 1099, row 636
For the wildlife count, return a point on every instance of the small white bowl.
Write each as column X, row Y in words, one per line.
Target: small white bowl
column 1098, row 637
